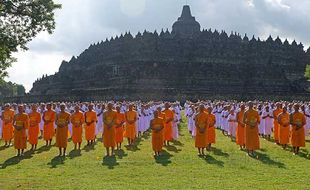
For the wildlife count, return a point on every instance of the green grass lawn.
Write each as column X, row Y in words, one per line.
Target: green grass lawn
column 225, row 167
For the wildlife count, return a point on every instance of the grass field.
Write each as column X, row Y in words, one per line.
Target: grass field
column 225, row 167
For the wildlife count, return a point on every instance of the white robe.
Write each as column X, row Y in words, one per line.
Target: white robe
column 267, row 122
column 232, row 124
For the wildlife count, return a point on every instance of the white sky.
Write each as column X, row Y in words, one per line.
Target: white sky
column 82, row 22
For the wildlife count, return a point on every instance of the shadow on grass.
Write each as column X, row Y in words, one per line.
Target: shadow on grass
column 265, row 159
column 99, row 139
column 16, row 159
column 90, row 147
column 43, row 149
column 219, row 152
column 177, row 143
column 303, row 153
column 3, row 148
column 211, row 160
column 120, row 153
column 57, row 160
column 146, row 135
column 172, row 148
column 134, row 147
column 164, row 159
column 110, row 162
column 11, row 161
column 74, row 153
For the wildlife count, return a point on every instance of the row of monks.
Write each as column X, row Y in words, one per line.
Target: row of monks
column 243, row 122
column 289, row 123
column 113, row 121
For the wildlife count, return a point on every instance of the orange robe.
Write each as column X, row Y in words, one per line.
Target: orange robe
column 211, row 129
column 20, row 136
column 251, row 132
column 169, row 115
column 90, row 130
column 48, row 129
column 7, row 125
column 201, row 122
column 77, row 120
column 34, row 129
column 240, row 134
column 284, row 128
column 109, row 133
column 130, row 131
column 119, row 131
column 298, row 133
column 62, row 132
column 276, row 125
column 157, row 137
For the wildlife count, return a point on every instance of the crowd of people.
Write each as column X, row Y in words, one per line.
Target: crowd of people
column 244, row 122
column 113, row 121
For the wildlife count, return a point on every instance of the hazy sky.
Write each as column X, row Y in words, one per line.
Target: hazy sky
column 82, row 22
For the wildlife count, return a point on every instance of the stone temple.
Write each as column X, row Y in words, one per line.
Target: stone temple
column 185, row 63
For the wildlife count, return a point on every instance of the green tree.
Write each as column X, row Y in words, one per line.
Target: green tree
column 307, row 73
column 20, row 22
column 11, row 89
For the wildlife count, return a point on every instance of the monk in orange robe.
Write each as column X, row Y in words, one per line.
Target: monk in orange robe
column 157, row 126
column 77, row 120
column 284, row 128
column 130, row 131
column 211, row 128
column 109, row 120
column 90, row 127
column 34, row 129
column 169, row 118
column 49, row 117
column 275, row 122
column 298, row 122
column 251, row 120
column 119, row 127
column 62, row 122
column 21, row 122
column 7, row 125
column 201, row 124
column 240, row 134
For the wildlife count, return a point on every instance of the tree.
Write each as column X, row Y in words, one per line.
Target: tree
column 20, row 22
column 307, row 73
column 11, row 89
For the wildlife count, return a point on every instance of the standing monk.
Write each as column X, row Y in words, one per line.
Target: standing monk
column 109, row 118
column 62, row 122
column 211, row 127
column 240, row 134
column 275, row 122
column 284, row 128
column 251, row 120
column 33, row 131
column 119, row 127
column 90, row 128
column 21, row 122
column 77, row 120
column 130, row 131
column 169, row 118
column 201, row 123
column 7, row 125
column 49, row 117
column 298, row 122
column 157, row 126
